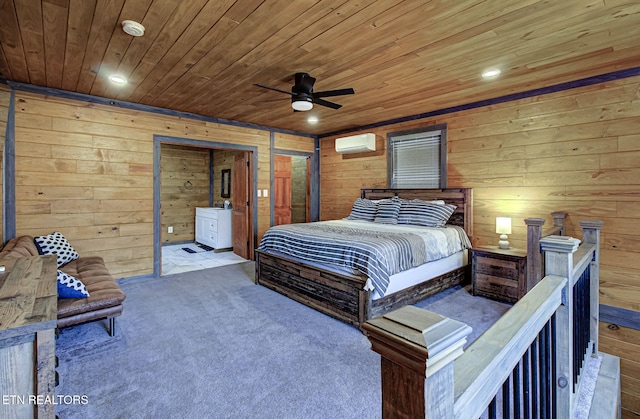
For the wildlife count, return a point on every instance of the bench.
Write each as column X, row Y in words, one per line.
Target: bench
column 105, row 296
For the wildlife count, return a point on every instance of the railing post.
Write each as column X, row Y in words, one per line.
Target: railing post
column 418, row 348
column 558, row 253
column 534, row 257
column 591, row 234
column 558, row 220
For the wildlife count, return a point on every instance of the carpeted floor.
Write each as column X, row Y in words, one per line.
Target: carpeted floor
column 213, row 344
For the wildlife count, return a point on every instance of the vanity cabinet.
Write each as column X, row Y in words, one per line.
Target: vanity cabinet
column 213, row 227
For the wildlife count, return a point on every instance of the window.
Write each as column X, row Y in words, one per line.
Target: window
column 418, row 158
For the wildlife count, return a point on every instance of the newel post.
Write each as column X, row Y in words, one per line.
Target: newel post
column 558, row 255
column 591, row 234
column 418, row 348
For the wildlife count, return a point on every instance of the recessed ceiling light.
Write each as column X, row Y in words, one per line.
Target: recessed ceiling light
column 312, row 119
column 491, row 73
column 119, row 80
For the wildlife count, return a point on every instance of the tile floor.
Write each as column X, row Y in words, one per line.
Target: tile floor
column 176, row 260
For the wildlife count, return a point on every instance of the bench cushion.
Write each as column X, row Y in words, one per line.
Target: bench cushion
column 19, row 247
column 103, row 290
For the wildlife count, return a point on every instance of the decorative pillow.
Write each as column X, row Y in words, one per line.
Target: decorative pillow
column 56, row 244
column 363, row 209
column 426, row 214
column 70, row 286
column 388, row 212
column 407, row 209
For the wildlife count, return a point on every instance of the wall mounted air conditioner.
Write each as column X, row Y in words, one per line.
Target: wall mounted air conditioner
column 356, row 144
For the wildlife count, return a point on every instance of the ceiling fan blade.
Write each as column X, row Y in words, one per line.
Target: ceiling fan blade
column 337, row 92
column 326, row 103
column 273, row 88
column 304, row 83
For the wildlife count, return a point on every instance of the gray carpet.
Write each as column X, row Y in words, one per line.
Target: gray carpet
column 213, row 344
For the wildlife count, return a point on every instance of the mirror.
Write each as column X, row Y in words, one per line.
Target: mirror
column 225, row 190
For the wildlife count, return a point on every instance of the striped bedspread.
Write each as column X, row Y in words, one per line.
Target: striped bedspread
column 377, row 250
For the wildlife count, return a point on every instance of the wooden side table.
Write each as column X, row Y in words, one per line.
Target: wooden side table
column 499, row 274
column 28, row 319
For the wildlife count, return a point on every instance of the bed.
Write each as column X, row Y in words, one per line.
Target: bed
column 352, row 296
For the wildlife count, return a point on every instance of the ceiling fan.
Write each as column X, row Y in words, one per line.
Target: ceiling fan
column 303, row 97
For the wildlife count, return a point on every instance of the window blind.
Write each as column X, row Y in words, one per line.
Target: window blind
column 416, row 160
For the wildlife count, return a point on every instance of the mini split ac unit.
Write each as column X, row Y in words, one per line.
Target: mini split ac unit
column 356, row 144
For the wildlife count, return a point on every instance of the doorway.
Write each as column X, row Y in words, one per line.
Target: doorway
column 244, row 179
column 291, row 189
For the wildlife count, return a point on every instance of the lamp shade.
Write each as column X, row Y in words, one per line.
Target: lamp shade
column 503, row 225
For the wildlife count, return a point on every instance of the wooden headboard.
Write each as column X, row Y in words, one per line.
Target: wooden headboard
column 462, row 198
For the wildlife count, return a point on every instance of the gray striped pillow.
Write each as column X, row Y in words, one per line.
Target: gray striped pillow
column 363, row 209
column 426, row 214
column 388, row 211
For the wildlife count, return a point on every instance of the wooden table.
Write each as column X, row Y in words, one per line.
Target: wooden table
column 28, row 318
column 499, row 274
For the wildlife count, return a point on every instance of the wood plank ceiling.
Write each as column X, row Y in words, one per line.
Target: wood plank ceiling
column 401, row 57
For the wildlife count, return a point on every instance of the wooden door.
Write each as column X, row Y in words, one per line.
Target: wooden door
column 241, row 197
column 281, row 190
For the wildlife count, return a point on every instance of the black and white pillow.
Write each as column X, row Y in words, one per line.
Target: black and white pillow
column 70, row 286
column 427, row 214
column 410, row 207
column 363, row 209
column 388, row 211
column 56, row 244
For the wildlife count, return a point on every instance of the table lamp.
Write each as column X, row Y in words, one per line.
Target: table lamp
column 503, row 227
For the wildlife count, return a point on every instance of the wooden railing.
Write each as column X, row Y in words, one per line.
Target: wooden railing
column 528, row 364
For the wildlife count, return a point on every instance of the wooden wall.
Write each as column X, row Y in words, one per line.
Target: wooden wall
column 576, row 151
column 5, row 97
column 298, row 189
column 87, row 171
column 184, row 173
column 222, row 159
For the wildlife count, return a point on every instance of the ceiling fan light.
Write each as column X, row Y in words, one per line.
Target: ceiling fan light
column 302, row 105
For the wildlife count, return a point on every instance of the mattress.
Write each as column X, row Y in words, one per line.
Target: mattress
column 379, row 251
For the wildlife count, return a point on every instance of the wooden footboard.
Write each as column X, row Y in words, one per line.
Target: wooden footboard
column 341, row 295
column 419, row 292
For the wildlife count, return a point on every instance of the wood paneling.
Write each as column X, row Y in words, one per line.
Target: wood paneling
column 293, row 142
column 222, row 160
column 87, row 170
column 625, row 343
column 185, row 186
column 574, row 151
column 5, row 97
column 298, row 189
column 401, row 57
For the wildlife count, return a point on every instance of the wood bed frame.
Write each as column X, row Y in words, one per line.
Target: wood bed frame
column 342, row 295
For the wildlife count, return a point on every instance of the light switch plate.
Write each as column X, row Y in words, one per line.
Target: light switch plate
column 265, row 192
column 259, row 193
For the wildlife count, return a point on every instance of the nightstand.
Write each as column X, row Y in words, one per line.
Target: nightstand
column 499, row 274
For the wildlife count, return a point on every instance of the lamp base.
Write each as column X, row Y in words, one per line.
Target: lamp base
column 503, row 243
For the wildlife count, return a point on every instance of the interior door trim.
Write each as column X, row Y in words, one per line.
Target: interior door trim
column 315, row 179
